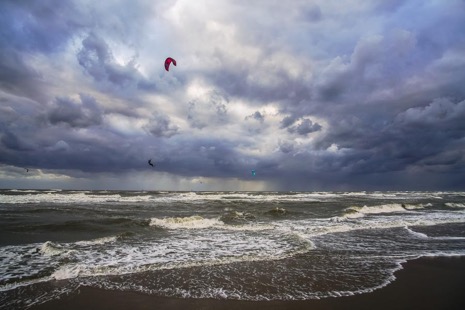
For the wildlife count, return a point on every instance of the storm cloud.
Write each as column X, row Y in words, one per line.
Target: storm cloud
column 84, row 113
column 357, row 95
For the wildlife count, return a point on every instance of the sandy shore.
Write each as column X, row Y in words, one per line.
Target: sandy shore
column 427, row 283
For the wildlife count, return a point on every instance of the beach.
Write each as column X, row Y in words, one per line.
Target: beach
column 425, row 283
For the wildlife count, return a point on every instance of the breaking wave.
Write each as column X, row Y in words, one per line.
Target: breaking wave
column 190, row 222
column 355, row 212
column 455, row 205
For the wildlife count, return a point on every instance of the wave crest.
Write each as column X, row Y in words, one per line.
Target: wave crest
column 455, row 205
column 190, row 222
column 355, row 212
column 277, row 212
column 237, row 217
column 51, row 249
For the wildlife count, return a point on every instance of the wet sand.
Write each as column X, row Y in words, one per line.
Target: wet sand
column 426, row 283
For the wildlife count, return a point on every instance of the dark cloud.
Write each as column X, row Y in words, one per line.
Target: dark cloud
column 234, row 82
column 17, row 77
column 305, row 127
column 312, row 13
column 411, row 139
column 440, row 114
column 12, row 142
column 211, row 158
column 288, row 121
column 389, row 6
column 160, row 126
column 42, row 26
column 209, row 109
column 97, row 60
column 367, row 96
column 75, row 114
column 256, row 116
column 286, row 147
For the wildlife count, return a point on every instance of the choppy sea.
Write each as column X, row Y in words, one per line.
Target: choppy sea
column 223, row 245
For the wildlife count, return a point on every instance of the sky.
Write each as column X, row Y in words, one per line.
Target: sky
column 313, row 95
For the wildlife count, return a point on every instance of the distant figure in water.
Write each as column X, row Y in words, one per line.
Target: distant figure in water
column 254, row 173
column 150, row 162
column 27, row 170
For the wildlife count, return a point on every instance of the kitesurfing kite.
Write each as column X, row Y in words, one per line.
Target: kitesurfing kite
column 168, row 62
column 150, row 162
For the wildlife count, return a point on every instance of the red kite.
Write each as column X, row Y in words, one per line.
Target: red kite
column 168, row 61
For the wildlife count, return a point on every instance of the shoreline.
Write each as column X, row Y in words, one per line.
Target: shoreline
column 423, row 283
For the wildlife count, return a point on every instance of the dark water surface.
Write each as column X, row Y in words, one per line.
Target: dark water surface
column 233, row 245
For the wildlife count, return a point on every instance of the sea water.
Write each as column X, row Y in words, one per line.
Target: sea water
column 223, row 245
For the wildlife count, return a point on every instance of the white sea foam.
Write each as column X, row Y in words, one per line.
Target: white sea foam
column 318, row 227
column 70, row 271
column 425, row 236
column 356, row 212
column 419, row 206
column 190, row 222
column 198, row 222
column 98, row 241
column 202, row 250
column 387, row 208
column 71, row 198
column 248, row 227
column 197, row 198
column 455, row 205
column 51, row 249
column 23, row 265
column 417, row 234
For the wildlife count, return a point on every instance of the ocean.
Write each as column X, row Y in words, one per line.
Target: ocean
column 223, row 245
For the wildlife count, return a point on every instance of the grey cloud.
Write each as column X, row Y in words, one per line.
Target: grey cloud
column 60, row 146
column 441, row 112
column 74, row 152
column 417, row 137
column 194, row 119
column 286, row 147
column 377, row 63
column 210, row 109
column 443, row 162
column 13, row 142
column 233, row 82
column 389, row 6
column 312, row 13
column 288, row 121
column 160, row 126
column 212, row 157
column 43, row 26
column 95, row 56
column 17, row 77
column 256, row 116
column 97, row 60
column 305, row 127
column 75, row 114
